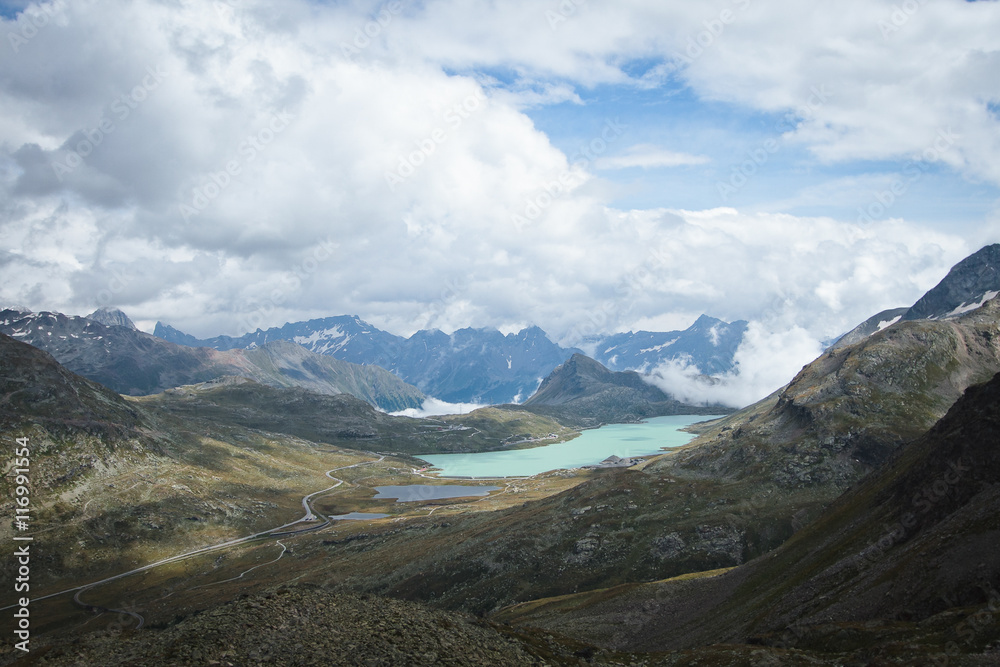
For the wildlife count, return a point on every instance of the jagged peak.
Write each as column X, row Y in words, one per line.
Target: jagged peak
column 112, row 317
column 965, row 287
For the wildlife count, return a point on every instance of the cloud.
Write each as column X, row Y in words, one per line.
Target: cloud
column 274, row 166
column 649, row 157
column 433, row 407
column 765, row 362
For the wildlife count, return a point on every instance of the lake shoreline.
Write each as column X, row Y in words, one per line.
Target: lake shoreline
column 638, row 440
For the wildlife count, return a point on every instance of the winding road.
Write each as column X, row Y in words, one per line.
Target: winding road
column 310, row 515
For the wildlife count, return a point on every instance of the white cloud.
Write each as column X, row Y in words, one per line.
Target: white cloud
column 433, row 407
column 765, row 362
column 306, row 224
column 649, row 157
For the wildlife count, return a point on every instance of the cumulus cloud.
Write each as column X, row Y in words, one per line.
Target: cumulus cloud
column 433, row 407
column 223, row 166
column 765, row 362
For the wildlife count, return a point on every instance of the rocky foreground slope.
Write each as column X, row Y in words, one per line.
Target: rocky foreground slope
column 301, row 625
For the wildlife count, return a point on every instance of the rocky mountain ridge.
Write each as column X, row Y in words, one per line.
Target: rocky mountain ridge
column 135, row 363
column 484, row 365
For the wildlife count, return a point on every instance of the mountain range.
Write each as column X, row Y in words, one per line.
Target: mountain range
column 484, row 365
column 132, row 362
column 709, row 343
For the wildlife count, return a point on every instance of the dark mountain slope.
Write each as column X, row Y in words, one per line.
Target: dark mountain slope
column 35, row 389
column 904, row 564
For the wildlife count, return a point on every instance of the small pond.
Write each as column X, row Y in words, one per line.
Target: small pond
column 422, row 492
column 358, row 516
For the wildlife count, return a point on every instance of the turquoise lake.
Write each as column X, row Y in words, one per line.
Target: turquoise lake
column 591, row 447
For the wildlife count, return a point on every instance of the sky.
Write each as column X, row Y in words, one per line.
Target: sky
column 588, row 167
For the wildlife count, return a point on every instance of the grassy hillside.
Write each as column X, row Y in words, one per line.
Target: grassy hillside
column 345, row 421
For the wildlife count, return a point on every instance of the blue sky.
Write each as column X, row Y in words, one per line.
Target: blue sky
column 790, row 180
column 222, row 166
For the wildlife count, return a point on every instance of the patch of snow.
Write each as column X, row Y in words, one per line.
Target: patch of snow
column 316, row 336
column 884, row 324
column 969, row 307
column 508, row 363
column 658, row 347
